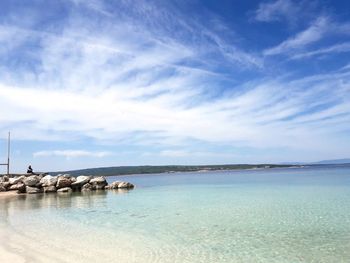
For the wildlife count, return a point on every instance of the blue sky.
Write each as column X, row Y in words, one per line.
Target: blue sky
column 87, row 83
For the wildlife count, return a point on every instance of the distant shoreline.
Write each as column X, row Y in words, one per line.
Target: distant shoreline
column 166, row 169
column 133, row 170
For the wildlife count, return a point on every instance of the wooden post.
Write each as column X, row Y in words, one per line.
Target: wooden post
column 8, row 153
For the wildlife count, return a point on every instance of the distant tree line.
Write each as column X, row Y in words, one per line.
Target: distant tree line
column 149, row 169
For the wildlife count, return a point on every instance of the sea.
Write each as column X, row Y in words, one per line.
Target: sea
column 262, row 215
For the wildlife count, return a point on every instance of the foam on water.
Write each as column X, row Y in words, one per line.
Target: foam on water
column 284, row 215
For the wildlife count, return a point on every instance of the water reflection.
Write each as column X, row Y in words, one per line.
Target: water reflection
column 76, row 200
column 120, row 191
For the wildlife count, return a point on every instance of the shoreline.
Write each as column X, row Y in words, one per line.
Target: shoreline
column 99, row 171
column 206, row 171
column 156, row 169
column 9, row 194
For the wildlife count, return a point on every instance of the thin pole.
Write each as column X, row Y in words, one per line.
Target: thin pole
column 8, row 154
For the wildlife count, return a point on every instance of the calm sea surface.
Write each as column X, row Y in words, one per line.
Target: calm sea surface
column 272, row 215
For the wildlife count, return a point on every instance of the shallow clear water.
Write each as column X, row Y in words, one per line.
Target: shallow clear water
column 277, row 215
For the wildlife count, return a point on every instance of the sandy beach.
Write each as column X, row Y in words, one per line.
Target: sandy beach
column 8, row 194
column 7, row 256
column 6, row 252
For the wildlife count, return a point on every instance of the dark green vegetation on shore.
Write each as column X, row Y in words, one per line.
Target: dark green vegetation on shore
column 149, row 169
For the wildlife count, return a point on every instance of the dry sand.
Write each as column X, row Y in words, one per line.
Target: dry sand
column 6, row 256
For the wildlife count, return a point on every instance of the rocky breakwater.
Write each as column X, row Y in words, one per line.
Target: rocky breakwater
column 65, row 183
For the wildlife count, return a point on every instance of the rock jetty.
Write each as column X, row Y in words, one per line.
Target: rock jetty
column 62, row 183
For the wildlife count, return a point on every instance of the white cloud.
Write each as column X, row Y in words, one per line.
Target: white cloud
column 71, row 154
column 338, row 48
column 269, row 114
column 320, row 29
column 312, row 34
column 95, row 5
column 174, row 153
column 109, row 83
column 275, row 11
column 234, row 54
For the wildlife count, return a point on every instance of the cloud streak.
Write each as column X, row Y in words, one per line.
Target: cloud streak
column 276, row 11
column 266, row 114
column 69, row 154
column 338, row 48
column 321, row 28
column 312, row 34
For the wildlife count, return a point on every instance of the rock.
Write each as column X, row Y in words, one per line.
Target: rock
column 114, row 185
column 50, row 189
column 98, row 183
column 6, row 185
column 64, row 190
column 16, row 179
column 20, row 186
column 4, row 178
column 99, row 180
column 125, row 185
column 63, row 182
column 119, row 185
column 86, row 187
column 107, row 187
column 81, row 180
column 33, row 190
column 2, row 188
column 32, row 180
column 73, row 179
column 98, row 186
column 49, row 180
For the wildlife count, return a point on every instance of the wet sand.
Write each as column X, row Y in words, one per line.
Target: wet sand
column 6, row 253
column 8, row 194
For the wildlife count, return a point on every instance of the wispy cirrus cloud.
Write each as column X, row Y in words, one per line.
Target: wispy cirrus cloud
column 121, row 75
column 316, row 31
column 266, row 114
column 321, row 28
column 337, row 48
column 71, row 154
column 276, row 11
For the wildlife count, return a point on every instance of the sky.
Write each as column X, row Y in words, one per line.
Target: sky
column 93, row 83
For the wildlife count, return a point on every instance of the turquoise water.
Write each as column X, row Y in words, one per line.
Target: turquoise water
column 277, row 215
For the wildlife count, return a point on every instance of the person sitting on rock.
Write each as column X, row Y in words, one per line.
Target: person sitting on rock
column 30, row 170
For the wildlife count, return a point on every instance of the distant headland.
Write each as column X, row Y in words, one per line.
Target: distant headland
column 157, row 169
column 150, row 169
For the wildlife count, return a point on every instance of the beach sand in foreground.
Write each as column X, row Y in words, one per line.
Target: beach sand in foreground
column 7, row 256
column 8, row 194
